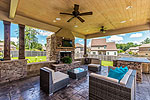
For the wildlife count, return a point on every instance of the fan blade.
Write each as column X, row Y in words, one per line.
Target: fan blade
column 82, row 20
column 70, row 19
column 65, row 13
column 76, row 7
column 86, row 13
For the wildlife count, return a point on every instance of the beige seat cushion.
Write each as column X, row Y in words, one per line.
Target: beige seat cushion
column 124, row 80
column 59, row 76
column 93, row 65
column 53, row 75
column 104, row 77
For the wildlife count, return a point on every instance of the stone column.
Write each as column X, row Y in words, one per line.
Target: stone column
column 7, row 40
column 85, row 46
column 21, row 41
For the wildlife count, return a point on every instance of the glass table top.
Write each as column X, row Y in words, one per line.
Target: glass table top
column 77, row 70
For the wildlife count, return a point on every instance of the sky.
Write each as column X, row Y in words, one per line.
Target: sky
column 136, row 37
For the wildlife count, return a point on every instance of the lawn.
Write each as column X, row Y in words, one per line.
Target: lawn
column 107, row 63
column 34, row 59
column 43, row 58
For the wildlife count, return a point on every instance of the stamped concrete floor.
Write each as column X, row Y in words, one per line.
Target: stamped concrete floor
column 29, row 89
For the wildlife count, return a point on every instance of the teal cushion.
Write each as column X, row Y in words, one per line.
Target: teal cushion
column 118, row 73
column 125, row 69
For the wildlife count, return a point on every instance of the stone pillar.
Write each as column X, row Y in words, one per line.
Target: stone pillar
column 21, row 42
column 85, row 46
column 7, row 40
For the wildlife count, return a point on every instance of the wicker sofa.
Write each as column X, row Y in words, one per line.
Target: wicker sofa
column 51, row 81
column 105, row 88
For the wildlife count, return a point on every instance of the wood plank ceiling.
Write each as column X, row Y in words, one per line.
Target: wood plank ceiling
column 109, row 13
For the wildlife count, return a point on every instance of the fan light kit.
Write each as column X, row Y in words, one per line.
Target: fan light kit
column 76, row 26
column 54, row 21
column 129, row 7
column 77, row 14
column 103, row 29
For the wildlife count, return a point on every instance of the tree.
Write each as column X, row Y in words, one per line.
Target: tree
column 31, row 41
column 146, row 41
column 126, row 46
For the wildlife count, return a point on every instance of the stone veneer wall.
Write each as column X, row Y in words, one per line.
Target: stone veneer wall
column 131, row 65
column 54, row 47
column 12, row 70
column 33, row 69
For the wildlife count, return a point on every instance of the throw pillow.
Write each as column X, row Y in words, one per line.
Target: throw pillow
column 118, row 73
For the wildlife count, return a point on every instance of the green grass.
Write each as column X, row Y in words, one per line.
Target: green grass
column 34, row 59
column 43, row 58
column 107, row 63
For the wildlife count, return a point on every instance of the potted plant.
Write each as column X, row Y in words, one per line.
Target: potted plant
column 67, row 60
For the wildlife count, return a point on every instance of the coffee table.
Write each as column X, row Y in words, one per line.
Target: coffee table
column 77, row 73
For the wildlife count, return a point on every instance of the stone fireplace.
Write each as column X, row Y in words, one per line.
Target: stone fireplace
column 55, row 49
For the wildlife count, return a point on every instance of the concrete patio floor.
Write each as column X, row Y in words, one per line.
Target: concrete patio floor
column 29, row 89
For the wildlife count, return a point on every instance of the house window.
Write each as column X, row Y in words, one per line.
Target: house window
column 94, row 53
column 107, row 53
column 149, row 49
column 81, row 49
column 98, row 47
column 114, row 53
column 104, row 47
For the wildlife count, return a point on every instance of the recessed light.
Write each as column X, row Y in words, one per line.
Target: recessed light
column 123, row 21
column 76, row 26
column 131, row 20
column 128, row 7
column 58, row 18
column 54, row 21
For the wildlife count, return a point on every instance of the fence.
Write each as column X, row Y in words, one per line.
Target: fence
column 102, row 57
column 28, row 53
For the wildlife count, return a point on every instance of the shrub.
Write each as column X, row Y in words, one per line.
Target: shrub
column 67, row 60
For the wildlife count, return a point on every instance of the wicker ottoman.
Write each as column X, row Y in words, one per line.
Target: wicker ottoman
column 94, row 67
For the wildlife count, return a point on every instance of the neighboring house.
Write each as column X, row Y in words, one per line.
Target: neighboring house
column 144, row 50
column 12, row 47
column 79, row 48
column 100, row 46
column 135, row 50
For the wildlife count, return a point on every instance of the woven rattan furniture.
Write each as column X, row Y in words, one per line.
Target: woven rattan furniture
column 51, row 81
column 77, row 73
column 95, row 65
column 102, row 89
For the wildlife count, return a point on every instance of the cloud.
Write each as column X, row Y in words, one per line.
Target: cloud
column 115, row 38
column 89, row 44
column 14, row 39
column 122, row 34
column 136, row 35
column 136, row 42
column 80, row 41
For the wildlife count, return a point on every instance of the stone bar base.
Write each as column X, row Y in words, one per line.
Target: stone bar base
column 12, row 70
column 131, row 65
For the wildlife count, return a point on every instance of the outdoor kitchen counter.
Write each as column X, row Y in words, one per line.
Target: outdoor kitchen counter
column 138, row 64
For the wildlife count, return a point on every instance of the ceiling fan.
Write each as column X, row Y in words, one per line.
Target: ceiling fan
column 103, row 29
column 77, row 14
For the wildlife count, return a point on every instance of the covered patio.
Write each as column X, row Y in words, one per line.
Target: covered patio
column 21, row 81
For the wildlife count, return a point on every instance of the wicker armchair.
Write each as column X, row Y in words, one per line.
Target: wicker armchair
column 51, row 81
column 102, row 89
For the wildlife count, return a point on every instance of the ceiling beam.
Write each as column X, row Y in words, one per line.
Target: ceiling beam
column 13, row 8
column 120, row 31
